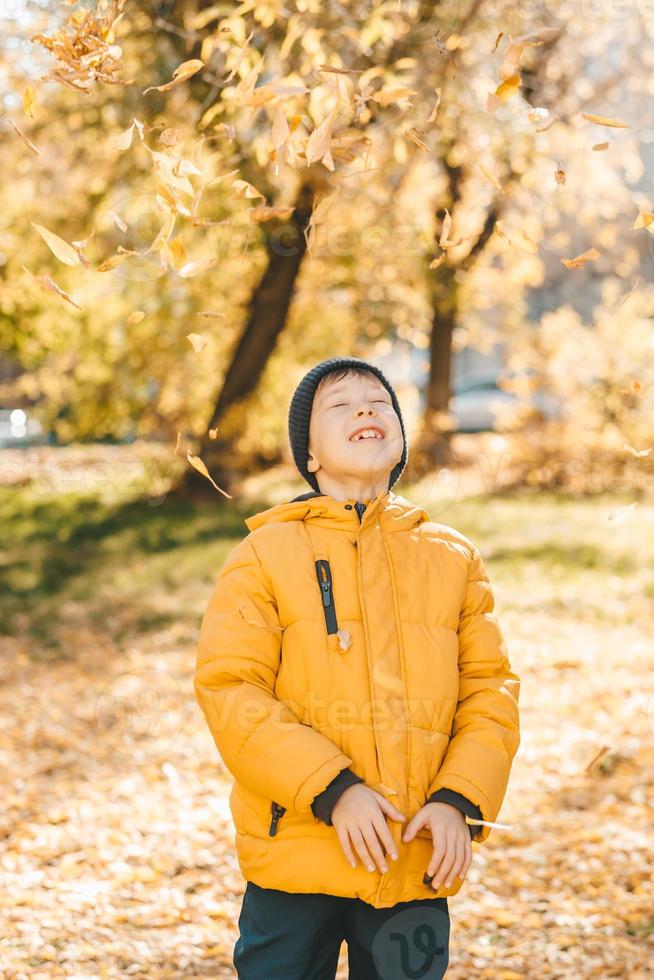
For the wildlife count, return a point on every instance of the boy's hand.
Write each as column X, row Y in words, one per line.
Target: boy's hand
column 452, row 851
column 358, row 817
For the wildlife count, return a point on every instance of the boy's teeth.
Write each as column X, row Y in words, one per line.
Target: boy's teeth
column 367, row 434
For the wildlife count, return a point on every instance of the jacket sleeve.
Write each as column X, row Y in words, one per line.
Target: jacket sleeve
column 486, row 727
column 462, row 804
column 261, row 741
column 325, row 802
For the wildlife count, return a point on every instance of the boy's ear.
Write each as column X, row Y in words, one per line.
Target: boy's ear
column 312, row 464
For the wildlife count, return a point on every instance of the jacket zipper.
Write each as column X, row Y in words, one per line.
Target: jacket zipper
column 360, row 512
column 277, row 811
column 324, row 573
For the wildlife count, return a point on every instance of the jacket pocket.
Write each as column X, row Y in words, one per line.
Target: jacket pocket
column 324, row 575
column 277, row 811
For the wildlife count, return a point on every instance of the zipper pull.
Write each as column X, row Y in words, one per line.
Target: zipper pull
column 277, row 812
column 325, row 585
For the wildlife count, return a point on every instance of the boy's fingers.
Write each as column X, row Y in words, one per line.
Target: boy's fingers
column 390, row 809
column 438, row 856
column 374, row 847
column 345, row 844
column 360, row 847
column 413, row 825
column 385, row 835
column 455, row 865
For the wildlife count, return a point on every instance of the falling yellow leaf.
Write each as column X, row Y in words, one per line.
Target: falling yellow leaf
column 580, row 260
column 600, row 146
column 318, row 143
column 645, row 219
column 29, row 101
column 560, row 175
column 242, row 187
column 497, row 41
column 432, row 115
column 198, row 341
column 515, row 236
column 209, row 314
column 434, row 264
column 213, row 433
column 25, row 139
column 114, row 260
column 264, row 213
column 61, row 249
column 52, row 287
column 194, row 268
column 183, row 72
column 415, row 135
column 389, row 95
column 280, row 131
column 344, row 639
column 199, row 465
column 121, row 141
column 638, row 453
column 508, row 88
column 489, row 176
column 178, row 443
column 622, row 513
column 136, row 317
column 603, row 121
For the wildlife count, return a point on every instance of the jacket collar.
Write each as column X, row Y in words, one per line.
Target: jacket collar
column 393, row 512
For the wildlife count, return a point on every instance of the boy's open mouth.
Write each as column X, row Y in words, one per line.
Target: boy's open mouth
column 367, row 432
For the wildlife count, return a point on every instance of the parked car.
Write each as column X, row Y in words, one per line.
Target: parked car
column 18, row 428
column 476, row 405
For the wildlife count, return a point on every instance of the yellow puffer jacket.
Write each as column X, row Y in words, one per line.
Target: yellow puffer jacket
column 333, row 639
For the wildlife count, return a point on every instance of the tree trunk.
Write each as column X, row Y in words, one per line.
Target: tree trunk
column 286, row 247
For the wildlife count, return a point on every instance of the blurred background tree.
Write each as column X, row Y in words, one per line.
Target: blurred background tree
column 398, row 182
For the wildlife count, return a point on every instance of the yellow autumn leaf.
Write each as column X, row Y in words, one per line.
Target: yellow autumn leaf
column 209, row 314
column 415, row 135
column 194, row 268
column 489, row 176
column 135, row 317
column 61, row 249
column 264, row 213
column 600, row 146
column 198, row 341
column 319, row 140
column 604, row 121
column 183, row 72
column 435, row 263
column 580, row 260
column 121, row 141
column 29, row 101
column 508, row 88
column 242, row 187
column 638, row 453
column 644, row 220
column 52, row 287
column 114, row 260
column 280, row 131
column 25, row 138
column 199, row 465
column 386, row 96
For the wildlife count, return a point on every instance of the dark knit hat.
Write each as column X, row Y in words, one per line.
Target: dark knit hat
column 299, row 415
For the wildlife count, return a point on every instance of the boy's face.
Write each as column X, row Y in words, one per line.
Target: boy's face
column 347, row 464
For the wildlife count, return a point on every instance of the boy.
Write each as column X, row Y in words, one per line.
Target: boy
column 357, row 686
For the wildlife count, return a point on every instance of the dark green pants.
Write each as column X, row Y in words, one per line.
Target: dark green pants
column 298, row 936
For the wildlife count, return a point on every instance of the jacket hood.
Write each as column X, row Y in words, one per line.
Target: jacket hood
column 393, row 511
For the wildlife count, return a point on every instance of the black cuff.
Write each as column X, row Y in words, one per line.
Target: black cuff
column 461, row 803
column 324, row 802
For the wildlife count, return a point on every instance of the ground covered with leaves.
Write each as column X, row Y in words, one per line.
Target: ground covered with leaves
column 117, row 848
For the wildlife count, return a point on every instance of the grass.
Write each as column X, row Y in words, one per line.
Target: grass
column 135, row 566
